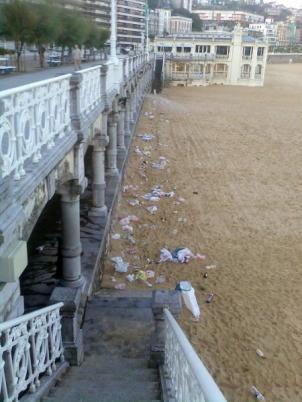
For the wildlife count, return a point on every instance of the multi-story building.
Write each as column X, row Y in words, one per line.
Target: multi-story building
column 159, row 21
column 179, row 24
column 283, row 38
column 268, row 30
column 198, row 59
column 228, row 16
column 187, row 4
column 131, row 22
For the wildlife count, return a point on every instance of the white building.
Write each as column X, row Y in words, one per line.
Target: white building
column 179, row 24
column 164, row 16
column 268, row 30
column 228, row 15
column 131, row 20
column 213, row 58
column 187, row 4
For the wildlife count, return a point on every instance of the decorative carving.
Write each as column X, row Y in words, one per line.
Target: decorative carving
column 90, row 89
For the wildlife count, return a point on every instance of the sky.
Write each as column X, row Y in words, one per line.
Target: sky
column 291, row 3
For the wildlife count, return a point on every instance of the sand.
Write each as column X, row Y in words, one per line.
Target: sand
column 235, row 157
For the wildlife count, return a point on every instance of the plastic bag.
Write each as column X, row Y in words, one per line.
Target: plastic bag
column 190, row 301
column 165, row 255
column 119, row 264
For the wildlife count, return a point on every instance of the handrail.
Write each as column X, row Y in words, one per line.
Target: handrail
column 208, row 389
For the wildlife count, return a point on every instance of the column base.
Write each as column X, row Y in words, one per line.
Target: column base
column 112, row 172
column 98, row 211
column 73, row 284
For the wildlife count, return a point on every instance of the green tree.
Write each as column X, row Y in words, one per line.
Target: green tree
column 45, row 29
column 16, row 24
column 73, row 29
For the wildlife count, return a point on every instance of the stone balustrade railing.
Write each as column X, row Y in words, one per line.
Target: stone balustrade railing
column 31, row 117
column 188, row 378
column 29, row 346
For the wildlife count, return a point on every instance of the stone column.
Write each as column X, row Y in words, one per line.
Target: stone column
column 127, row 118
column 99, row 207
column 104, row 69
column 120, row 118
column 111, row 150
column 71, row 241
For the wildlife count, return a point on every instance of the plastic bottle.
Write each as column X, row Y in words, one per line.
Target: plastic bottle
column 210, row 297
column 257, row 394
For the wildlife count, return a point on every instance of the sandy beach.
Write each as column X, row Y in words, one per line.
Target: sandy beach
column 234, row 155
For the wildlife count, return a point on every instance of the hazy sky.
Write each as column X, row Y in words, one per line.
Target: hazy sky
column 291, row 3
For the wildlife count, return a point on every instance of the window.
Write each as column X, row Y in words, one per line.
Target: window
column 187, row 49
column 260, row 51
column 245, row 71
column 222, row 51
column 258, row 71
column 178, row 49
column 247, row 52
column 179, row 67
column 202, row 49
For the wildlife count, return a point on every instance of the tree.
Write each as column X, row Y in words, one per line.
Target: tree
column 16, row 24
column 73, row 29
column 45, row 29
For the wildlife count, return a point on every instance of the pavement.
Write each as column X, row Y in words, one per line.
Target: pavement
column 16, row 80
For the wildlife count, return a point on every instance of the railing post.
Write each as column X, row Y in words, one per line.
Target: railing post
column 162, row 299
column 75, row 103
column 120, row 118
column 111, row 150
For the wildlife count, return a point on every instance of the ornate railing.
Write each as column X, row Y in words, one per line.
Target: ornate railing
column 188, row 377
column 90, row 89
column 29, row 346
column 31, row 117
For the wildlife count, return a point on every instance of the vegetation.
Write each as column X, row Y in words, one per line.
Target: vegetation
column 44, row 23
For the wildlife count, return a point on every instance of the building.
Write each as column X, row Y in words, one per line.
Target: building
column 179, row 24
column 268, row 30
column 131, row 22
column 228, row 16
column 198, row 59
column 283, row 37
column 159, row 21
column 187, row 4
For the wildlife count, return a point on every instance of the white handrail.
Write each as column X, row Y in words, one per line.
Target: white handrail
column 30, row 345
column 192, row 382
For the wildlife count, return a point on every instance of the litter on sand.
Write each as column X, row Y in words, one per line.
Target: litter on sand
column 120, row 265
column 160, row 279
column 189, row 298
column 161, row 164
column 128, row 219
column 130, row 278
column 148, row 137
column 157, row 193
column 120, row 286
column 180, row 254
column 213, row 266
column 152, row 209
column 127, row 228
column 142, row 275
column 116, row 236
column 257, row 394
column 260, row 353
column 133, row 202
column 129, row 187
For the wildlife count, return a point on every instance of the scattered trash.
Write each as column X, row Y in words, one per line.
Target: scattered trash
column 130, row 218
column 133, row 202
column 120, row 286
column 180, row 254
column 180, row 199
column 205, row 275
column 116, row 236
column 152, row 209
column 119, row 264
column 195, row 192
column 189, row 298
column 113, row 279
column 260, row 353
column 200, row 256
column 182, row 220
column 257, row 393
column 211, row 266
column 160, row 279
column 161, row 164
column 130, row 238
column 210, row 298
column 148, row 137
column 150, row 197
column 142, row 275
column 138, row 151
column 130, row 278
column 150, row 274
column 132, row 250
column 127, row 228
column 129, row 188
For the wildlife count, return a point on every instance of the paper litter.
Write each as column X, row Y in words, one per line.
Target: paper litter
column 120, row 265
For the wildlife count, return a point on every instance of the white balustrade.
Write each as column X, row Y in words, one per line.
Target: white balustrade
column 31, row 117
column 90, row 89
column 190, row 380
column 29, row 346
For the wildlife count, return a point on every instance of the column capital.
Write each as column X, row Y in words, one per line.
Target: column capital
column 100, row 140
column 70, row 189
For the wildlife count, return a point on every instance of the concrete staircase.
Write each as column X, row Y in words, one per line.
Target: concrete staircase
column 117, row 330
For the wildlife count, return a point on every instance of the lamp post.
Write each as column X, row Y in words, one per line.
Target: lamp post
column 113, row 34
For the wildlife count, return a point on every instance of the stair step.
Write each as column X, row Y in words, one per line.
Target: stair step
column 122, row 299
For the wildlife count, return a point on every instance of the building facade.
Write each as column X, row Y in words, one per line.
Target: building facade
column 228, row 16
column 159, row 21
column 131, row 22
column 213, row 58
column 180, row 24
